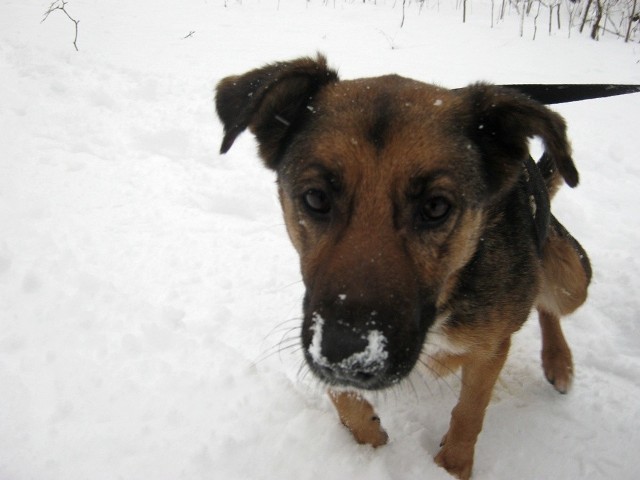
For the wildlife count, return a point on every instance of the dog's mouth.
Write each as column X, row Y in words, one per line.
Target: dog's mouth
column 370, row 350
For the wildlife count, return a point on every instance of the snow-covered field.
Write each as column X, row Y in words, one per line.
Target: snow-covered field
column 149, row 296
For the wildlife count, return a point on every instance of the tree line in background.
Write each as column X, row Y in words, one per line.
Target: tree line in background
column 598, row 17
column 595, row 17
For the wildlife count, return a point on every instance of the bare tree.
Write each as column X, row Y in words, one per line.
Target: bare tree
column 632, row 18
column 618, row 17
column 596, row 24
column 586, row 15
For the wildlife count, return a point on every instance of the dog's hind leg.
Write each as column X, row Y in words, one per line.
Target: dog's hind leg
column 566, row 274
column 359, row 417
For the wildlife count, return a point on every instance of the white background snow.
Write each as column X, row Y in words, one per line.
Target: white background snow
column 146, row 282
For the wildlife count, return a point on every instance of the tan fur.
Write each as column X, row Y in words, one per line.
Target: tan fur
column 359, row 417
column 564, row 283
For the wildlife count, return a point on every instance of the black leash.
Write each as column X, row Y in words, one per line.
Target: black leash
column 533, row 181
column 557, row 93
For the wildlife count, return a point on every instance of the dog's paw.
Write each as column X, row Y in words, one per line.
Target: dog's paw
column 457, row 459
column 558, row 368
column 360, row 418
column 369, row 432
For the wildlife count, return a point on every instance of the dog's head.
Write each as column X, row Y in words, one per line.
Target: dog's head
column 385, row 184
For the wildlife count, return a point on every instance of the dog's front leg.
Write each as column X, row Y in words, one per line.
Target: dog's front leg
column 479, row 375
column 359, row 417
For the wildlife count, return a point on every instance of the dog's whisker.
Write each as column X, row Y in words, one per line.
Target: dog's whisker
column 412, row 388
column 303, row 371
column 284, row 287
column 434, row 358
column 287, row 335
column 288, row 331
column 436, row 374
column 279, row 326
column 292, row 347
column 418, row 373
column 428, row 376
column 286, row 341
column 286, row 344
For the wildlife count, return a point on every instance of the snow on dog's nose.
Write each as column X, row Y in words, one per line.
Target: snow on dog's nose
column 347, row 355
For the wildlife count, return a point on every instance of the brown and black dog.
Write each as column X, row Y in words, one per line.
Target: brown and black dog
column 423, row 230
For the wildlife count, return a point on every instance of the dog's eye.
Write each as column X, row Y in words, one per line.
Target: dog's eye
column 434, row 211
column 317, row 201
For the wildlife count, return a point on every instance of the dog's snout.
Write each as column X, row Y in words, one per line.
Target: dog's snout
column 371, row 345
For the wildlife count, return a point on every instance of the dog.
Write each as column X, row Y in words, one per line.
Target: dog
column 423, row 229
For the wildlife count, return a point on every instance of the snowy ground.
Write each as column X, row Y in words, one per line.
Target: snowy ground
column 147, row 283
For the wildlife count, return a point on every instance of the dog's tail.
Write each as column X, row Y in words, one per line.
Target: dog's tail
column 552, row 177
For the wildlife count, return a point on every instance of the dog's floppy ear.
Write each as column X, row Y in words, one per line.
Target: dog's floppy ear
column 270, row 101
column 501, row 122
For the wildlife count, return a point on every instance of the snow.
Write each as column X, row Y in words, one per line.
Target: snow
column 369, row 359
column 315, row 349
column 150, row 299
column 374, row 353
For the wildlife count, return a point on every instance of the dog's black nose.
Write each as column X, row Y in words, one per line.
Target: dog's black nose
column 344, row 354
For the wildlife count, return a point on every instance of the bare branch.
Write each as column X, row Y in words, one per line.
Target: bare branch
column 61, row 5
column 632, row 18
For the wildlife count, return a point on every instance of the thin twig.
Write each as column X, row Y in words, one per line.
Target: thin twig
column 390, row 40
column 60, row 5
